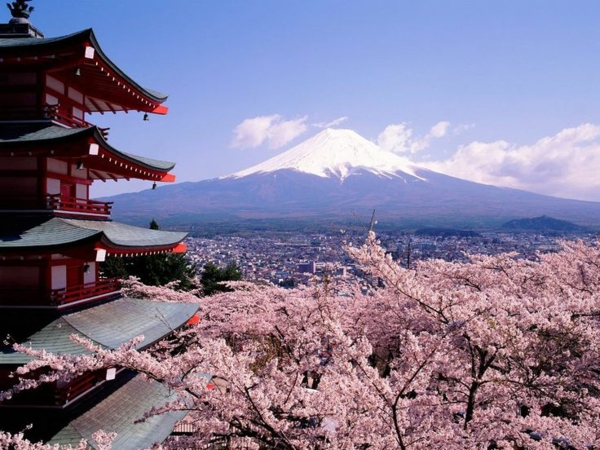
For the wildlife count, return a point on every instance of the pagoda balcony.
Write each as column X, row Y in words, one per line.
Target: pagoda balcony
column 51, row 395
column 60, row 298
column 77, row 387
column 84, row 292
column 78, row 206
column 55, row 113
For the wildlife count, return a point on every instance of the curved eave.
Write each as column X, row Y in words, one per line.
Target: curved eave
column 127, row 240
column 120, row 250
column 62, row 55
column 88, row 144
column 157, row 97
column 128, row 165
column 123, row 81
column 67, row 235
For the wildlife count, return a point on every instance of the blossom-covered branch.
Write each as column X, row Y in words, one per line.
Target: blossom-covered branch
column 498, row 352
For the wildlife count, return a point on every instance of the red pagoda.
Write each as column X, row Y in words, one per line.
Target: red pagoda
column 53, row 236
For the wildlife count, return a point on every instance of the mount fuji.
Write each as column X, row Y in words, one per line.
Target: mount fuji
column 336, row 154
column 337, row 177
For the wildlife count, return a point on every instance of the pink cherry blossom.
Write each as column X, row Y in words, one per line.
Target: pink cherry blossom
column 499, row 352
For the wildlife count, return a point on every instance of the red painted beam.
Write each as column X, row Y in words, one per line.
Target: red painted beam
column 160, row 109
column 168, row 178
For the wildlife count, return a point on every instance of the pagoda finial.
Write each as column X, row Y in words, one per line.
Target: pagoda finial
column 20, row 9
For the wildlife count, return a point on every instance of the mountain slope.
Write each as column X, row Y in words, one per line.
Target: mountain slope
column 338, row 176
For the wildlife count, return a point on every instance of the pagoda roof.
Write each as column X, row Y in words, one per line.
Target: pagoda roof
column 104, row 161
column 52, row 233
column 122, row 235
column 108, row 325
column 42, row 233
column 107, row 87
column 119, row 413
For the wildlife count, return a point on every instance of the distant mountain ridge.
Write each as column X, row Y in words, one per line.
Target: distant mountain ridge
column 543, row 223
column 339, row 177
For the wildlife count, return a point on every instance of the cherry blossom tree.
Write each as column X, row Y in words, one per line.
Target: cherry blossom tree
column 504, row 348
column 102, row 441
column 499, row 352
column 133, row 287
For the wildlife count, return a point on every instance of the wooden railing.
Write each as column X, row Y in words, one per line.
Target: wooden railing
column 58, row 297
column 52, row 395
column 76, row 387
column 56, row 113
column 72, row 294
column 63, row 115
column 80, row 205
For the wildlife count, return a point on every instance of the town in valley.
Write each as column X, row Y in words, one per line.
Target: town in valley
column 291, row 258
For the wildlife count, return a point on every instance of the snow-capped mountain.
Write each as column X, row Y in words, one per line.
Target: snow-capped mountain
column 338, row 176
column 335, row 153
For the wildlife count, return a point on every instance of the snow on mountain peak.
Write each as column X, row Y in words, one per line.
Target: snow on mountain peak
column 335, row 153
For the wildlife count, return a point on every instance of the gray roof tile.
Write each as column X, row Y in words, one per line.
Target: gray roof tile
column 109, row 325
column 41, row 232
column 119, row 321
column 129, row 236
column 54, row 132
column 50, row 132
column 45, row 232
column 118, row 413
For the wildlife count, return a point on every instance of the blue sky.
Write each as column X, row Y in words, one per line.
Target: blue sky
column 501, row 92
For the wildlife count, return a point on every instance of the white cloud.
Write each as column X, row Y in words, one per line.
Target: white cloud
column 283, row 131
column 460, row 129
column 271, row 129
column 395, row 138
column 252, row 132
column 438, row 130
column 564, row 165
column 333, row 123
column 399, row 138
